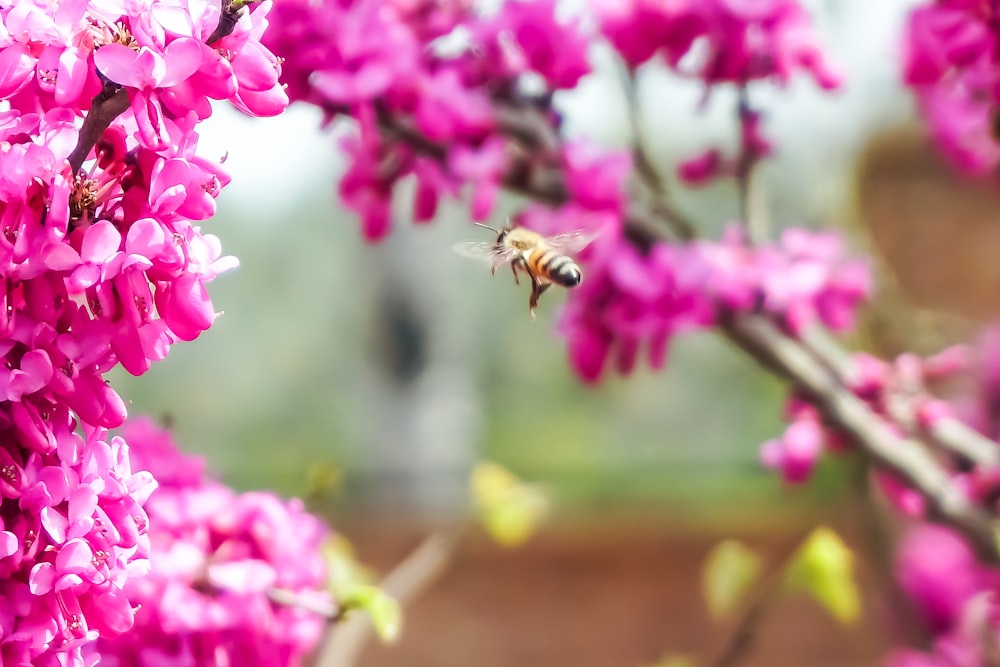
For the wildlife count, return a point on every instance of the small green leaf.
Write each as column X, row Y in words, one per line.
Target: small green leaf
column 350, row 583
column 343, row 567
column 384, row 610
column 729, row 571
column 323, row 479
column 510, row 510
column 823, row 567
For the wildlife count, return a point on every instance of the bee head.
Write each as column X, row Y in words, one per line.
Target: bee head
column 501, row 233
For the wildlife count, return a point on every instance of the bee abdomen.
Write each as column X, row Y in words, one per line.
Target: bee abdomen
column 560, row 269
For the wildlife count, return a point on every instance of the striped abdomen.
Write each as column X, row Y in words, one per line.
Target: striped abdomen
column 554, row 267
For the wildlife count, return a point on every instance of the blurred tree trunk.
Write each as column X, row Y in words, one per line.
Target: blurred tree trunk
column 424, row 402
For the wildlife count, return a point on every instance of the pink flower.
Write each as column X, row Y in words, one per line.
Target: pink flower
column 742, row 41
column 939, row 573
column 538, row 42
column 595, row 177
column 216, row 555
column 796, row 452
column 950, row 58
column 626, row 301
column 144, row 71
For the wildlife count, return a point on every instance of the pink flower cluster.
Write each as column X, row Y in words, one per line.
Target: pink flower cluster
column 806, row 277
column 630, row 297
column 72, row 533
column 953, row 599
column 216, row 557
column 718, row 41
column 422, row 77
column 897, row 392
column 951, row 61
column 102, row 264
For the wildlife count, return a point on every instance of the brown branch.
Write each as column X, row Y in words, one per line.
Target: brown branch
column 105, row 107
column 947, row 434
column 680, row 224
column 905, row 457
column 232, row 10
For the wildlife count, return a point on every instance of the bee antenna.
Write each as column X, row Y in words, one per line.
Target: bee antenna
column 479, row 224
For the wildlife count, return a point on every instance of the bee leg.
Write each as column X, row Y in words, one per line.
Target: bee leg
column 536, row 291
column 513, row 269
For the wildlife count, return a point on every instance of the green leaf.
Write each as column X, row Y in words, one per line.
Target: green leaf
column 342, row 566
column 351, row 585
column 728, row 572
column 510, row 510
column 823, row 567
column 384, row 610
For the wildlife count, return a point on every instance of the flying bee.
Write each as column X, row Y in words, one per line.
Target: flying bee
column 545, row 259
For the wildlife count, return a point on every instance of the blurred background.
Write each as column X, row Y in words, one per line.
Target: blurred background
column 370, row 379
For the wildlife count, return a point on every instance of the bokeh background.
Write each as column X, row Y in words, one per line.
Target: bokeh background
column 370, row 379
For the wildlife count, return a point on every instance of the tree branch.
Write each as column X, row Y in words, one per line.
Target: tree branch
column 905, row 457
column 682, row 227
column 820, row 371
column 105, row 107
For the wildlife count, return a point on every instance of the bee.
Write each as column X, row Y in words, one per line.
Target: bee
column 544, row 259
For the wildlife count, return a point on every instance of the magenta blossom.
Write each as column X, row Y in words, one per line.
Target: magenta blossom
column 795, row 454
column 216, row 557
column 742, row 41
column 951, row 61
column 940, row 573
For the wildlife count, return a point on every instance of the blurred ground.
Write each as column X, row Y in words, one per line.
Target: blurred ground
column 617, row 591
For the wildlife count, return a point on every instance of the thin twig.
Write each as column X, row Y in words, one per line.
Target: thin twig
column 232, row 10
column 105, row 107
column 290, row 599
column 743, row 635
column 681, row 226
column 946, row 433
column 745, row 162
column 345, row 641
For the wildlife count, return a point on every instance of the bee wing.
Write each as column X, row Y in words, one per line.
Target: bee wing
column 484, row 251
column 571, row 243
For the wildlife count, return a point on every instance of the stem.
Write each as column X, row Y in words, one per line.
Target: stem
column 745, row 161
column 741, row 640
column 106, row 106
column 232, row 10
column 681, row 226
column 290, row 599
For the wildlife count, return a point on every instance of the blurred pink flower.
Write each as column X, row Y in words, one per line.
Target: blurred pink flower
column 795, row 454
column 215, row 557
column 939, row 573
column 950, row 58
